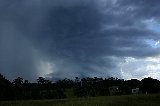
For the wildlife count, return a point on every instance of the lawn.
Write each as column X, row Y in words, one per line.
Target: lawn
column 128, row 100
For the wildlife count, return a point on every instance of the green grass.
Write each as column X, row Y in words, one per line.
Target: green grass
column 69, row 93
column 128, row 100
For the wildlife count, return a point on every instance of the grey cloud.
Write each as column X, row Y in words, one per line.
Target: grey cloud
column 73, row 35
column 143, row 9
column 16, row 55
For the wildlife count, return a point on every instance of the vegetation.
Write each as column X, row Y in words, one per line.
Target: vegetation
column 20, row 89
column 127, row 100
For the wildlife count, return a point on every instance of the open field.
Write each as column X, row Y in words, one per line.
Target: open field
column 128, row 100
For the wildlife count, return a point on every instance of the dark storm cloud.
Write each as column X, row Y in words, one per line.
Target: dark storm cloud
column 79, row 38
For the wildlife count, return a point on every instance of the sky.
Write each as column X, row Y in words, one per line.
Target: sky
column 59, row 39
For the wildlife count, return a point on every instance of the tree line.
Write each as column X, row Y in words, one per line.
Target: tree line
column 20, row 89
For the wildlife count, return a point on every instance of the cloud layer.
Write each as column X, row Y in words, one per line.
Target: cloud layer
column 59, row 39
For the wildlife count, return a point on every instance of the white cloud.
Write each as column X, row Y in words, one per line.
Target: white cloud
column 153, row 43
column 140, row 68
column 45, row 68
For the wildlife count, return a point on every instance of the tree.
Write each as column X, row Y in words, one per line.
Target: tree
column 6, row 92
column 18, row 81
column 150, row 85
column 18, row 88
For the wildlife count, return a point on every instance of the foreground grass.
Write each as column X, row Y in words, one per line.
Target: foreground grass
column 131, row 100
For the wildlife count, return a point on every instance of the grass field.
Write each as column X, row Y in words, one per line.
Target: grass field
column 128, row 100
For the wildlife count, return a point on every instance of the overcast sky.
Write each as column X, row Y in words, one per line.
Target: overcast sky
column 60, row 39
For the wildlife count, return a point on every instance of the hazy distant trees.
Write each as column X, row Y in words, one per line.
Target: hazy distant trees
column 45, row 89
